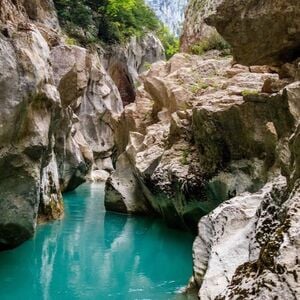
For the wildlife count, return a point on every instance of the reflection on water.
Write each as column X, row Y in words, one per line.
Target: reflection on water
column 92, row 254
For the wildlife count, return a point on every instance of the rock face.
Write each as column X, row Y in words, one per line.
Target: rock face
column 213, row 140
column 30, row 104
column 57, row 104
column 247, row 248
column 124, row 64
column 170, row 12
column 265, row 32
column 199, row 133
column 195, row 29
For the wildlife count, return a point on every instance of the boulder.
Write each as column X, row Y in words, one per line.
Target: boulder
column 259, row 32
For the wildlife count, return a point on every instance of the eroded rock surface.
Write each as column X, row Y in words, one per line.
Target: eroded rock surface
column 199, row 133
column 195, row 29
column 124, row 64
column 247, row 248
column 57, row 106
column 275, row 24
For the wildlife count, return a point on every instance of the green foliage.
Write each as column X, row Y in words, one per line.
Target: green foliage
column 246, row 93
column 169, row 41
column 213, row 42
column 111, row 21
column 130, row 17
column 71, row 41
column 74, row 11
column 184, row 158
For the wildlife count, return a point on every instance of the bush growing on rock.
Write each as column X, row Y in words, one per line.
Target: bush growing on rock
column 213, row 42
column 112, row 22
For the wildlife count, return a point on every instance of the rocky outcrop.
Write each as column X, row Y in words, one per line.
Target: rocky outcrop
column 199, row 133
column 92, row 98
column 195, row 29
column 272, row 44
column 30, row 104
column 212, row 140
column 58, row 104
column 259, row 33
column 247, row 248
column 124, row 64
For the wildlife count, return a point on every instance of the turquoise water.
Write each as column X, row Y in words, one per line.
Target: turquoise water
column 92, row 254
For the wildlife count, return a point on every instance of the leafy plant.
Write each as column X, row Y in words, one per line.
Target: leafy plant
column 169, row 41
column 112, row 21
column 71, row 41
column 184, row 158
column 246, row 93
column 213, row 42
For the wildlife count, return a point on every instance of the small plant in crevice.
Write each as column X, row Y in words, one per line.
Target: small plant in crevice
column 246, row 93
column 184, row 157
column 213, row 42
column 71, row 41
column 147, row 66
column 198, row 86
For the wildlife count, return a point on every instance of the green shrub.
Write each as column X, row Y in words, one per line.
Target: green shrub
column 213, row 42
column 111, row 21
column 169, row 41
column 71, row 41
column 246, row 93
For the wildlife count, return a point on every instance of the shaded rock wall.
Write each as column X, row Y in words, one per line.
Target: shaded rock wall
column 243, row 24
column 195, row 29
column 57, row 106
column 124, row 64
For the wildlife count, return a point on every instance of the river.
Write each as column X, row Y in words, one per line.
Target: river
column 93, row 254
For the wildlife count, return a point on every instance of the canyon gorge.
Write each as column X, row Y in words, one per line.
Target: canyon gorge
column 207, row 141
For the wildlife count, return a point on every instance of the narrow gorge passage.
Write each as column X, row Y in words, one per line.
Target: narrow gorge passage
column 93, row 254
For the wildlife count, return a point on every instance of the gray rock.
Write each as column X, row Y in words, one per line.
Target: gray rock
column 259, row 33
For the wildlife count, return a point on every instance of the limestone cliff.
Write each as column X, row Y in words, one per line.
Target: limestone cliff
column 170, row 12
column 195, row 29
column 125, row 63
column 243, row 24
column 58, row 109
column 210, row 139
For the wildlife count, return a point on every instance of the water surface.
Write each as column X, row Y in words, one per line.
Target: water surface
column 93, row 254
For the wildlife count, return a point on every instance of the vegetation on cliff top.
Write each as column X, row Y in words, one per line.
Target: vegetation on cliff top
column 111, row 21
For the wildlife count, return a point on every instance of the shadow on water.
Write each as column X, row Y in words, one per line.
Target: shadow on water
column 93, row 254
